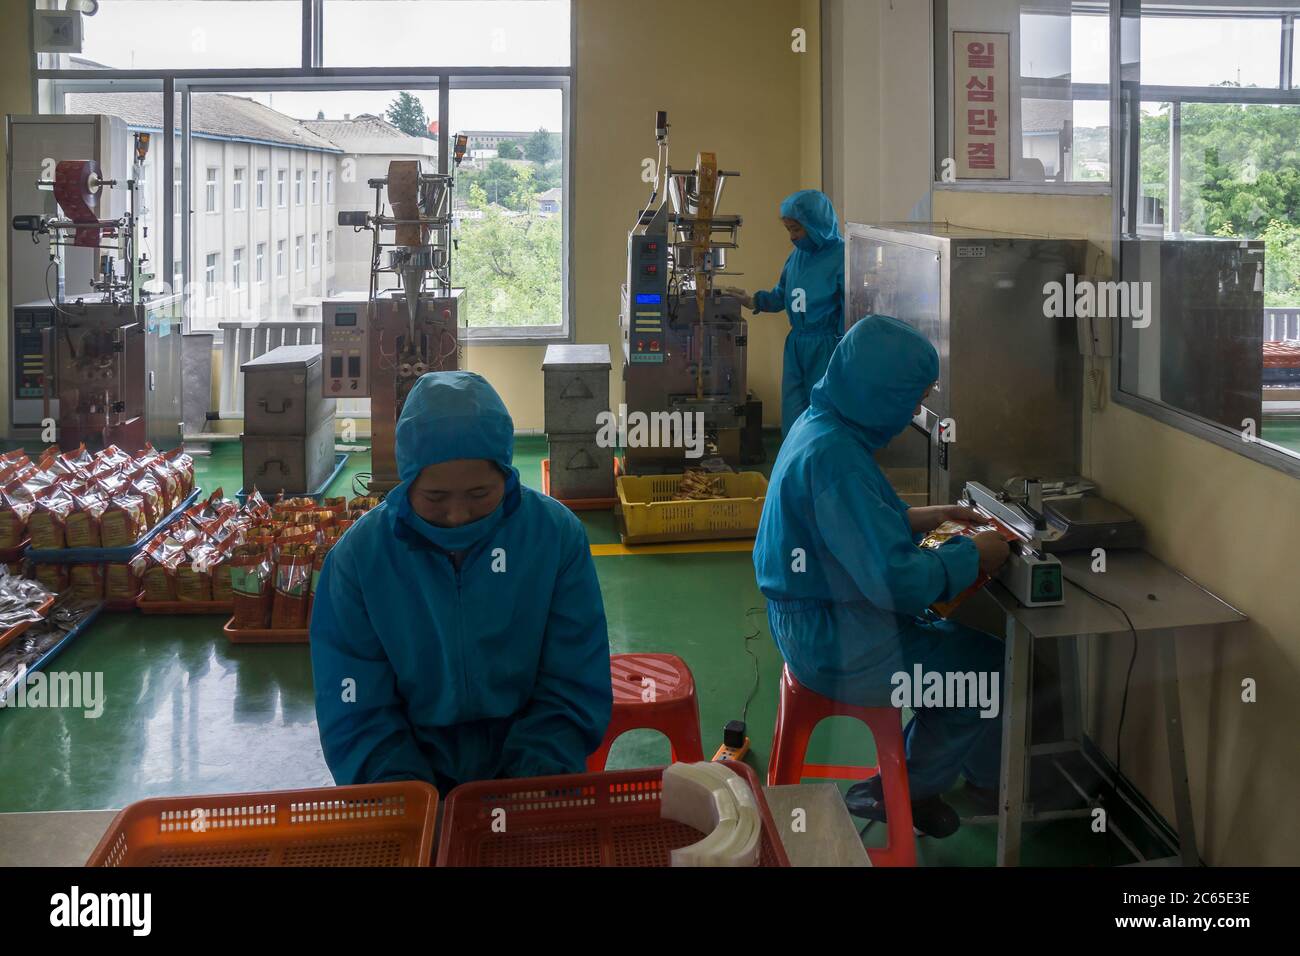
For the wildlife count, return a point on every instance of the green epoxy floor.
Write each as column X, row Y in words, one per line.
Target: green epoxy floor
column 187, row 712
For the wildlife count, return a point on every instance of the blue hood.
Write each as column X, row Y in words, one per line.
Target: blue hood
column 878, row 373
column 450, row 415
column 813, row 210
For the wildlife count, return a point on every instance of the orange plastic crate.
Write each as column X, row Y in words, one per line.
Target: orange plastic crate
column 266, row 635
column 609, row 818
column 375, row 824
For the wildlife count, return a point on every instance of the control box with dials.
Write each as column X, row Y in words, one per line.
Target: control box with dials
column 345, row 348
column 647, row 292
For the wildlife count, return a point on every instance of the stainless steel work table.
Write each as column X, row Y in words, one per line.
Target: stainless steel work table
column 828, row 837
column 1160, row 602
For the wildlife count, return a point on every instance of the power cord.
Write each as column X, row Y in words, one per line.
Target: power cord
column 361, row 483
column 1123, row 709
column 744, row 716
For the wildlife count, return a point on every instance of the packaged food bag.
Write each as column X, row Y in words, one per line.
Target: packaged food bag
column 123, row 522
column 947, row 531
column 250, row 585
column 48, row 522
column 155, row 566
column 53, row 576
column 83, row 523
column 87, row 581
column 121, row 583
column 13, row 520
column 292, row 583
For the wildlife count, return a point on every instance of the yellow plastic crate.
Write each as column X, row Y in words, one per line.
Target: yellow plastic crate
column 648, row 513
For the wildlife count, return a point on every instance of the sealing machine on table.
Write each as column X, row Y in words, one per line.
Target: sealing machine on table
column 112, row 354
column 685, row 342
column 1008, row 401
column 376, row 347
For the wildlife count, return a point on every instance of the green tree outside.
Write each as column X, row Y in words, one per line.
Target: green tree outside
column 1240, row 173
column 407, row 114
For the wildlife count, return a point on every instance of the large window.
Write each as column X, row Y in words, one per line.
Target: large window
column 1050, row 127
column 269, row 158
column 1210, row 213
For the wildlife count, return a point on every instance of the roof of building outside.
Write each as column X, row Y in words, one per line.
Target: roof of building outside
column 555, row 193
column 361, row 126
column 211, row 114
column 1044, row 116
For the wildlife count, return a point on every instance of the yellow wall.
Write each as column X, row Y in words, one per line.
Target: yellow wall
column 1231, row 525
column 733, row 86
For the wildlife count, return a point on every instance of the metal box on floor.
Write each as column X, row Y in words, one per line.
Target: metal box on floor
column 576, row 388
column 294, row 464
column 282, row 392
column 580, row 468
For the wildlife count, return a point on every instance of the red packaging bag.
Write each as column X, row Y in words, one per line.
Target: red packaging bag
column 954, row 529
column 48, row 522
column 292, row 587
column 250, row 585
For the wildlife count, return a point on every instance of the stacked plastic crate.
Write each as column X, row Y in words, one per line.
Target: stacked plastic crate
column 576, row 400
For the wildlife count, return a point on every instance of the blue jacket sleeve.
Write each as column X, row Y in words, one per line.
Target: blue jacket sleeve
column 774, row 300
column 874, row 543
column 364, row 730
column 566, row 718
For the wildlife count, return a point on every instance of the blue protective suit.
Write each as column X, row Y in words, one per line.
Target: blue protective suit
column 495, row 665
column 848, row 589
column 816, row 266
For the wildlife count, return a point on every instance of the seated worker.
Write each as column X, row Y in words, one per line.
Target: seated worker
column 852, row 612
column 811, row 293
column 458, row 632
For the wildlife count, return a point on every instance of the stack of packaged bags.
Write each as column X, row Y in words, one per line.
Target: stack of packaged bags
column 261, row 560
column 74, row 500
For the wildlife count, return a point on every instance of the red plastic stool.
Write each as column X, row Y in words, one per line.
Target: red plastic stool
column 798, row 713
column 673, row 709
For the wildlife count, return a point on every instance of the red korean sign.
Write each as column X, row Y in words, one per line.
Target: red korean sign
column 981, row 116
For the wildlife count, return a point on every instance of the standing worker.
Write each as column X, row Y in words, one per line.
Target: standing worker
column 811, row 291
column 851, row 613
column 458, row 631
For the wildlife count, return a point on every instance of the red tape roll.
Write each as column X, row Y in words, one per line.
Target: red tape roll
column 75, row 197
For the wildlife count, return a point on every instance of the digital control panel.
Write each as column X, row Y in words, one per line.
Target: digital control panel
column 28, row 365
column 647, row 299
column 345, row 346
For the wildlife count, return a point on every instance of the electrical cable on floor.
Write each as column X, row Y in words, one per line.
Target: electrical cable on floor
column 364, row 487
column 1123, row 708
column 750, row 637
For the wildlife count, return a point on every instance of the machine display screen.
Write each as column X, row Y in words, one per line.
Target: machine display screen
column 649, row 298
column 345, row 318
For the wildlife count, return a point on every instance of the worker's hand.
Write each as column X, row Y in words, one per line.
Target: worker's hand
column 745, row 298
column 963, row 514
column 993, row 551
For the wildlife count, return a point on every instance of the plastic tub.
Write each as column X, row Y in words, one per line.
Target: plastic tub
column 184, row 607
column 648, row 513
column 609, row 818
column 265, row 635
column 375, row 824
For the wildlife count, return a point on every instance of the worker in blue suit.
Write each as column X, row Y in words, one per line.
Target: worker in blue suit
column 457, row 630
column 848, row 588
column 811, row 292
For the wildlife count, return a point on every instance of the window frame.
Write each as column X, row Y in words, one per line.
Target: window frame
column 1127, row 97
column 179, row 85
column 941, row 125
column 261, row 177
column 237, row 184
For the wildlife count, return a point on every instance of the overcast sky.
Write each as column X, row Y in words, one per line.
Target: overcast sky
column 390, row 33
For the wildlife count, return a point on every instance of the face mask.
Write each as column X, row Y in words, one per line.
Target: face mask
column 805, row 243
column 465, row 536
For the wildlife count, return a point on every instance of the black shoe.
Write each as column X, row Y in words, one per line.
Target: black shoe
column 984, row 799
column 930, row 816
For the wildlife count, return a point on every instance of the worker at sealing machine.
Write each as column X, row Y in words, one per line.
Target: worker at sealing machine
column 458, row 631
column 848, row 587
